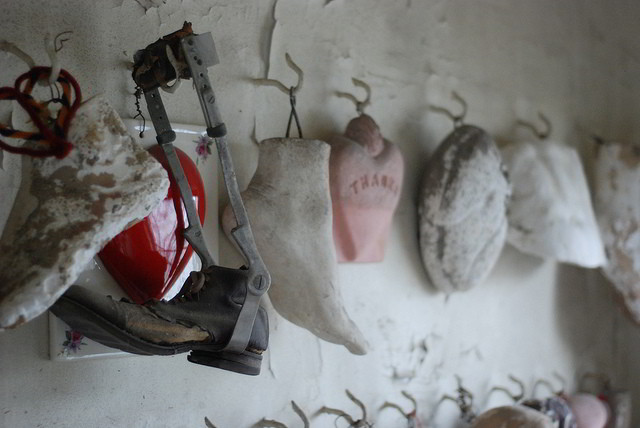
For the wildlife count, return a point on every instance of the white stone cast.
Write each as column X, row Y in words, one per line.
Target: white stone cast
column 617, row 203
column 550, row 214
column 289, row 210
column 67, row 209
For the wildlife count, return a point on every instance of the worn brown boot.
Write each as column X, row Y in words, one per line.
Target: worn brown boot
column 200, row 319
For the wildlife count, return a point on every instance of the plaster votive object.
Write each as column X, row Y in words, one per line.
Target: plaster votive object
column 512, row 417
column 550, row 214
column 289, row 207
column 462, row 210
column 365, row 174
column 617, row 201
column 67, row 209
column 621, row 406
column 588, row 411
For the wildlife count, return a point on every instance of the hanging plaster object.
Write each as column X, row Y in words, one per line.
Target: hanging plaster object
column 67, row 209
column 366, row 173
column 289, row 205
column 512, row 417
column 462, row 209
column 621, row 406
column 588, row 410
column 147, row 258
column 617, row 201
column 550, row 213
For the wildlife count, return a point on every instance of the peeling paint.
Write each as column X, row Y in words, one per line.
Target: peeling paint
column 148, row 4
column 268, row 29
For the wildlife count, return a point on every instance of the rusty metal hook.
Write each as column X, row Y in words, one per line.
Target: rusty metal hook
column 514, row 397
column 457, row 119
column 353, row 423
column 291, row 91
column 12, row 48
column 360, row 105
column 541, row 134
column 281, row 86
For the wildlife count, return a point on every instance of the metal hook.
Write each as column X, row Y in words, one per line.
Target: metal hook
column 50, row 46
column 457, row 119
column 291, row 91
column 464, row 401
column 300, row 413
column 15, row 50
column 540, row 134
column 360, row 105
column 174, row 63
column 545, row 383
column 280, row 85
column 411, row 415
column 563, row 382
column 514, row 397
column 360, row 423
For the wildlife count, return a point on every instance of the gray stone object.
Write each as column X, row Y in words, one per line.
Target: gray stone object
column 462, row 210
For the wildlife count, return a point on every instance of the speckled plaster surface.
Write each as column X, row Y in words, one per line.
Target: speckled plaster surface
column 577, row 61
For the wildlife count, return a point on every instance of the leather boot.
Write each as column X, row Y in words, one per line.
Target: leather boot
column 200, row 319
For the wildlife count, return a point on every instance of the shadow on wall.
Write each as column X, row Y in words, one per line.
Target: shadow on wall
column 585, row 317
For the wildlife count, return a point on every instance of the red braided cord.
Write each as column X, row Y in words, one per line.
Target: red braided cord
column 58, row 145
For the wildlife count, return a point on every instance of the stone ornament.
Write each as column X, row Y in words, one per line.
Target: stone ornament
column 366, row 173
column 550, row 214
column 462, row 210
column 67, row 209
column 289, row 205
column 512, row 417
column 617, row 203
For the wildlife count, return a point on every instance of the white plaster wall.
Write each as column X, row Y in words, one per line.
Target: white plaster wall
column 577, row 61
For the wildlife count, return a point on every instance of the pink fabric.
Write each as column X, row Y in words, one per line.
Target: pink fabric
column 366, row 173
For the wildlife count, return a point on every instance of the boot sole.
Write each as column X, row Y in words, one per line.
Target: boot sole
column 101, row 330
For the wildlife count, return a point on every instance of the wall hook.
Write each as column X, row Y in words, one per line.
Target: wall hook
column 15, row 50
column 541, row 134
column 514, row 397
column 547, row 384
column 360, row 105
column 411, row 416
column 353, row 423
column 291, row 91
column 457, row 119
column 267, row 423
column 464, row 401
column 52, row 47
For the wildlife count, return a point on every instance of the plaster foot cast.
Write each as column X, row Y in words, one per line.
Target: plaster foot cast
column 462, row 210
column 512, row 417
column 290, row 209
column 550, row 213
column 67, row 209
column 617, row 201
column 366, row 174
